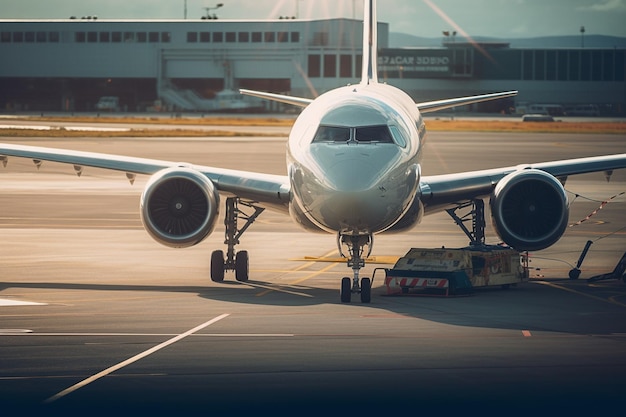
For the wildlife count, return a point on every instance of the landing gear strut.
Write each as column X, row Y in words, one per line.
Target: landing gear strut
column 234, row 261
column 477, row 216
column 356, row 261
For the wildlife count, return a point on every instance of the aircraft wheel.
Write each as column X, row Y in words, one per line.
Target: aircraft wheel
column 242, row 266
column 346, row 290
column 217, row 266
column 366, row 290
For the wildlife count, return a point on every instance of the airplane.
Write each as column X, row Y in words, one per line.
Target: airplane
column 353, row 170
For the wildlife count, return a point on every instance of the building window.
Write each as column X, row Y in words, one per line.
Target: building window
column 574, row 66
column 257, row 37
column 79, row 37
column 283, row 36
column 205, row 37
column 218, row 37
column 619, row 65
column 105, row 37
column 231, row 36
column 29, row 36
column 562, row 65
column 314, row 66
column 607, row 65
column 528, row 62
column 153, row 37
column 192, row 37
column 42, row 37
column 142, row 37
column 345, row 66
column 540, row 66
column 92, row 37
column 116, row 37
column 129, row 36
column 18, row 37
column 270, row 36
column 5, row 37
column 330, row 66
column 551, row 65
column 166, row 37
column 295, row 37
column 585, row 66
column 244, row 37
column 320, row 39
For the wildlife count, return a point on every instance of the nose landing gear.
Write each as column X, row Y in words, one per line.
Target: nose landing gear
column 355, row 246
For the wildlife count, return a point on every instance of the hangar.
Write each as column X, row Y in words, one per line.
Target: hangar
column 67, row 65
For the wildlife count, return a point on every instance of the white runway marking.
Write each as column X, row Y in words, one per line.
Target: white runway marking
column 10, row 303
column 133, row 359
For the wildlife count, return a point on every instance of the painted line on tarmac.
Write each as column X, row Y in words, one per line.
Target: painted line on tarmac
column 298, row 281
column 593, row 297
column 314, row 274
column 30, row 333
column 132, row 360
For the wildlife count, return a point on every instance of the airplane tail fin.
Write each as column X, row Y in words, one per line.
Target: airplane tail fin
column 369, row 71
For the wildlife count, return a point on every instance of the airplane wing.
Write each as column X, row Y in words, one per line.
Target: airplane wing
column 295, row 101
column 267, row 190
column 431, row 106
column 449, row 190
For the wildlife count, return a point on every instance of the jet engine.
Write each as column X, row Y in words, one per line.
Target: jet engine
column 179, row 207
column 529, row 209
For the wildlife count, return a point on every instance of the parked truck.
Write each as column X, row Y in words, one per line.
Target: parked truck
column 456, row 271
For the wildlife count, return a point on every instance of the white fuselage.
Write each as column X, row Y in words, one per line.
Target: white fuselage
column 353, row 159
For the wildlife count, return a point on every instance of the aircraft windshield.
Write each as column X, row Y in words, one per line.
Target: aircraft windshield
column 362, row 134
column 373, row 134
column 332, row 134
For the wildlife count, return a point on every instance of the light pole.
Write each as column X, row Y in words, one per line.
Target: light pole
column 208, row 9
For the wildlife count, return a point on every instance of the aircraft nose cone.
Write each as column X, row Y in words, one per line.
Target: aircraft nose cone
column 357, row 198
column 352, row 176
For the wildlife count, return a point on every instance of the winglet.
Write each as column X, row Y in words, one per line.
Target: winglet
column 369, row 72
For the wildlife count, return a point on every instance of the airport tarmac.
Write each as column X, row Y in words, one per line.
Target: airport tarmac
column 97, row 317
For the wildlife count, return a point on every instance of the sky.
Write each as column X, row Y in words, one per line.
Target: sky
column 427, row 18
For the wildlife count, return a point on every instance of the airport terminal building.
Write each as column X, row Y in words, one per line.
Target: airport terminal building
column 68, row 65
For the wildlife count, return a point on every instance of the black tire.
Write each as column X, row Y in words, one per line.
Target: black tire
column 346, row 290
column 574, row 274
column 366, row 290
column 242, row 266
column 217, row 266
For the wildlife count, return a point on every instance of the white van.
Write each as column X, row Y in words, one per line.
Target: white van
column 108, row 103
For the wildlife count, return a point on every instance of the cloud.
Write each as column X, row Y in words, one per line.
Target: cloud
column 606, row 6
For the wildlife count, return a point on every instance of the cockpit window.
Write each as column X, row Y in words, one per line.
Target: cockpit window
column 332, row 134
column 361, row 134
column 379, row 134
column 397, row 136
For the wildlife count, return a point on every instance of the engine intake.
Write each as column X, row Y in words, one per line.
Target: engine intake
column 179, row 207
column 529, row 209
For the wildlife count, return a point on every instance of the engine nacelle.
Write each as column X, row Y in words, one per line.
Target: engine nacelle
column 529, row 209
column 179, row 207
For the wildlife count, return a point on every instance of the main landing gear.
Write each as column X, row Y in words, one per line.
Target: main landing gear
column 476, row 215
column 355, row 245
column 234, row 261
